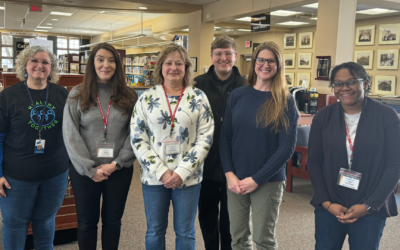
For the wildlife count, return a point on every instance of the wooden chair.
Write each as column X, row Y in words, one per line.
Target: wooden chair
column 297, row 171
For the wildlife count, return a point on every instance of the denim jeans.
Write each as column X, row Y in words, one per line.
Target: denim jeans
column 156, row 203
column 31, row 201
column 363, row 234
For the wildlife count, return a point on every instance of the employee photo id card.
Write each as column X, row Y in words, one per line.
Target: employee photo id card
column 105, row 150
column 349, row 179
column 39, row 146
column 172, row 147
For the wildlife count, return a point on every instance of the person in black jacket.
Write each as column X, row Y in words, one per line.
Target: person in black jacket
column 220, row 80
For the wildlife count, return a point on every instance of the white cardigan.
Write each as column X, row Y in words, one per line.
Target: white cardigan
column 151, row 126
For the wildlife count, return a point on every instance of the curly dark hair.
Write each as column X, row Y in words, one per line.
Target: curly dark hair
column 356, row 70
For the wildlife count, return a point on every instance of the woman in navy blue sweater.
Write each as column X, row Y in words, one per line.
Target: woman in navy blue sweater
column 257, row 139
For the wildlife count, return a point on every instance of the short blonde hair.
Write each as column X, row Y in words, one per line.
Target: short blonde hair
column 23, row 57
column 159, row 78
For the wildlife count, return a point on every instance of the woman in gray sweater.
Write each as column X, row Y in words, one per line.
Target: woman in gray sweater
column 96, row 135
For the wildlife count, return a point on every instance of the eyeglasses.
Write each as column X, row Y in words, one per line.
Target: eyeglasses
column 227, row 54
column 36, row 62
column 261, row 61
column 350, row 83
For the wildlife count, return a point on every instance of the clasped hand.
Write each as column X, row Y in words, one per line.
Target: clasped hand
column 237, row 186
column 103, row 172
column 347, row 216
column 171, row 180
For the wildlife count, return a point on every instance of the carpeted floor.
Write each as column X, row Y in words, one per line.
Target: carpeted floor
column 295, row 227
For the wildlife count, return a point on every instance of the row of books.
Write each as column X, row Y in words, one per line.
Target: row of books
column 134, row 70
column 139, row 60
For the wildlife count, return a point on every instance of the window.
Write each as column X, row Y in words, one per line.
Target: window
column 73, row 44
column 62, row 52
column 8, row 62
column 74, row 51
column 7, row 51
column 62, row 43
column 6, row 40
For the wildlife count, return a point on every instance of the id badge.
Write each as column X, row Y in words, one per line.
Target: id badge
column 172, row 147
column 349, row 179
column 39, row 146
column 105, row 150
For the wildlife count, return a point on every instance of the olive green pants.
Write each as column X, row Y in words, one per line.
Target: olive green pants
column 264, row 203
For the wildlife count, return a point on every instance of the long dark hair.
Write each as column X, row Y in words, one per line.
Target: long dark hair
column 272, row 112
column 123, row 98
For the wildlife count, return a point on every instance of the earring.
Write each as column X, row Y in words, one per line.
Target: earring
column 26, row 74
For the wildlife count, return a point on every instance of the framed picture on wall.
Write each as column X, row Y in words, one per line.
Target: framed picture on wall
column 385, row 85
column 305, row 40
column 365, row 35
column 364, row 58
column 194, row 63
column 324, row 67
column 289, row 41
column 290, row 79
column 290, row 60
column 387, row 59
column 389, row 33
column 303, row 80
column 304, row 60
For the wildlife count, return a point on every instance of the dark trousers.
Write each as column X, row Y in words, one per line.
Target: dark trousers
column 364, row 234
column 213, row 193
column 87, row 197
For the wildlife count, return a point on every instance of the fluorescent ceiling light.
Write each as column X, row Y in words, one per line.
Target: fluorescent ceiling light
column 56, row 13
column 284, row 13
column 244, row 19
column 314, row 18
column 41, row 30
column 54, row 19
column 185, row 30
column 44, row 27
column 1, row 7
column 49, row 24
column 313, row 5
column 376, row 11
column 216, row 28
column 292, row 23
column 228, row 30
column 143, row 8
column 244, row 30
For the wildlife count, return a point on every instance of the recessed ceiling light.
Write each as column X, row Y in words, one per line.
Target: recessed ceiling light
column 313, row 5
column 376, row 11
column 49, row 24
column 56, row 13
column 54, row 19
column 292, row 23
column 143, row 8
column 284, row 13
column 41, row 30
column 228, row 30
column 185, row 30
column 314, row 18
column 244, row 19
column 1, row 7
column 244, row 30
column 44, row 27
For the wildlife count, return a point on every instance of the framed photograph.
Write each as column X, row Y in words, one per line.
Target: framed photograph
column 305, row 40
column 304, row 60
column 289, row 41
column 364, row 58
column 324, row 66
column 194, row 62
column 290, row 79
column 387, row 59
column 385, row 85
column 389, row 33
column 365, row 35
column 290, row 60
column 303, row 80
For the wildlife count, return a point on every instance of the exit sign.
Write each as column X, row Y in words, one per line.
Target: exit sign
column 36, row 8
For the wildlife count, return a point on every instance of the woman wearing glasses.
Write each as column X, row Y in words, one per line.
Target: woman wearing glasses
column 354, row 177
column 257, row 139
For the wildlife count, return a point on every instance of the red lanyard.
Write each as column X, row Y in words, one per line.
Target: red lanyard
column 176, row 107
column 350, row 143
column 105, row 119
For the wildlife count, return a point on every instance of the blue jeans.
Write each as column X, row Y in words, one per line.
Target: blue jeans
column 31, row 201
column 156, row 203
column 364, row 234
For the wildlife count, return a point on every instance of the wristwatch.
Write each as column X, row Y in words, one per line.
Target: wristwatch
column 370, row 210
column 117, row 166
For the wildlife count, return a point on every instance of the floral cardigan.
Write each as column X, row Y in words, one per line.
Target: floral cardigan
column 151, row 126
